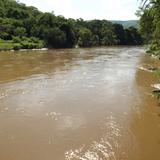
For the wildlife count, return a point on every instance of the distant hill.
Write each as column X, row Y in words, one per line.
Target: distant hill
column 129, row 23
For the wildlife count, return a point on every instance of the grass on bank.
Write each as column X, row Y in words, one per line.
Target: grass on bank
column 154, row 50
column 18, row 43
column 156, row 92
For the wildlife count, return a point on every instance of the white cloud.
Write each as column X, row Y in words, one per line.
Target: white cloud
column 49, row 5
column 88, row 9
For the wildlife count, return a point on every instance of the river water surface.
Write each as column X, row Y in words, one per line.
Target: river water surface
column 78, row 104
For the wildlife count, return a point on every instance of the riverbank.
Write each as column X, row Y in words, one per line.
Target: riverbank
column 154, row 51
column 155, row 70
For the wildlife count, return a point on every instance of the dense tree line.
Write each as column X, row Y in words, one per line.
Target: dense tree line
column 150, row 24
column 19, row 23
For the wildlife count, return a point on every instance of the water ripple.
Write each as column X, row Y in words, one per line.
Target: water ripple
column 104, row 149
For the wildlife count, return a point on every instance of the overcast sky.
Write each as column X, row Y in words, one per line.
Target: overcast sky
column 88, row 9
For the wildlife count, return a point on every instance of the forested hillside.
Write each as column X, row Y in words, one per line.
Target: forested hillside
column 27, row 27
column 129, row 23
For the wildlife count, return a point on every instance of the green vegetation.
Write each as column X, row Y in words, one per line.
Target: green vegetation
column 150, row 30
column 26, row 27
column 156, row 91
column 21, row 43
column 157, row 73
column 6, row 45
column 150, row 24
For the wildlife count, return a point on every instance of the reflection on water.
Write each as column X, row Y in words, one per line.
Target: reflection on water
column 105, row 148
column 78, row 104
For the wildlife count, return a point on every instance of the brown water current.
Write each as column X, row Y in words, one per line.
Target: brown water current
column 78, row 104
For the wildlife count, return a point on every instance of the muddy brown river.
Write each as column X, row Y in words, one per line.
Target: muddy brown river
column 78, row 104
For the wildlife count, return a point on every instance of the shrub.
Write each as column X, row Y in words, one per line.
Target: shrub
column 17, row 46
column 16, row 39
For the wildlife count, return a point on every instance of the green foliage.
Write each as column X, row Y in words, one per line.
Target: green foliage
column 20, row 32
column 85, row 36
column 31, row 43
column 120, row 33
column 17, row 46
column 70, row 35
column 146, row 26
column 55, row 37
column 16, row 40
column 29, row 28
column 150, row 24
column 109, row 37
column 157, row 73
column 6, row 45
column 132, row 36
column 21, row 43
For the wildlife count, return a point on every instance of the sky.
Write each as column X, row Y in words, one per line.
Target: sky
column 88, row 9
